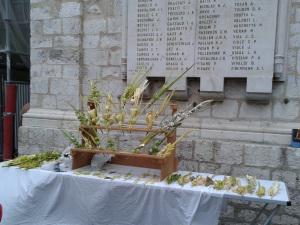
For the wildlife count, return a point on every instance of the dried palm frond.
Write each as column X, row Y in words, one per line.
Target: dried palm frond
column 209, row 181
column 68, row 135
column 130, row 90
column 138, row 93
column 219, row 185
column 251, row 184
column 170, row 147
column 199, row 181
column 261, row 191
column 179, row 117
column 150, row 119
column 94, row 95
column 274, row 189
column 184, row 179
column 239, row 189
column 160, row 92
column 230, row 182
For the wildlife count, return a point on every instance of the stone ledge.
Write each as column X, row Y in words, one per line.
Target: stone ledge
column 215, row 129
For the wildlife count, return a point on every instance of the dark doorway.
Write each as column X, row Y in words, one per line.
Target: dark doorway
column 14, row 58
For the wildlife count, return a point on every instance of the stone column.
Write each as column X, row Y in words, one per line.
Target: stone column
column 56, row 40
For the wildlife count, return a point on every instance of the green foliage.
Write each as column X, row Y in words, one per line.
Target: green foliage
column 33, row 161
column 173, row 178
column 111, row 145
column 155, row 148
column 68, row 135
column 219, row 185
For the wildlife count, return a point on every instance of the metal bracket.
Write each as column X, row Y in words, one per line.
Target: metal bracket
column 269, row 219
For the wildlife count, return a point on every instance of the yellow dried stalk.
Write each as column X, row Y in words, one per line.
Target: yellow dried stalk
column 130, row 90
column 274, row 189
column 230, row 182
column 151, row 116
column 199, row 181
column 251, row 184
column 170, row 147
column 184, row 179
column 261, row 191
column 150, row 119
column 242, row 190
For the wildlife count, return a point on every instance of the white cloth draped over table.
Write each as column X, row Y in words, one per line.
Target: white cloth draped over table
column 38, row 197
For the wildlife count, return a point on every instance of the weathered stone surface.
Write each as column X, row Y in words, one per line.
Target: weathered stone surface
column 293, row 158
column 66, row 56
column 184, row 149
column 59, row 86
column 298, row 57
column 36, row 70
column 95, row 57
column 36, row 27
column 226, row 109
column 65, row 102
column 295, row 28
column 188, row 165
column 260, row 155
column 91, row 41
column 285, row 219
column 53, row 26
column 229, row 153
column 71, row 25
column 293, row 90
column 38, row 56
column 260, row 173
column 115, row 57
column 39, row 136
column 208, row 167
column 295, row 41
column 39, row 85
column 66, row 41
column 204, row 150
column 289, row 111
column 41, row 42
column 247, row 215
column 114, row 25
column 71, row 71
column 41, row 12
column 287, row 176
column 234, row 88
column 110, row 40
column 92, row 72
column 51, row 71
column 94, row 26
column 297, row 15
column 254, row 111
column 111, row 72
column 49, row 102
column 70, row 9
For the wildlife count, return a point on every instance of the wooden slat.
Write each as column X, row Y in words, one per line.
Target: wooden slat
column 167, row 164
column 128, row 129
column 117, row 153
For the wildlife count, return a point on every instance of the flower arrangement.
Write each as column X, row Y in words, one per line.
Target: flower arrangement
column 105, row 112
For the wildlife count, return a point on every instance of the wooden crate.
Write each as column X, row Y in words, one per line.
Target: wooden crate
column 166, row 165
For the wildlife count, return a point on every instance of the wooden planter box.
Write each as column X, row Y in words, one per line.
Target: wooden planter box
column 166, row 165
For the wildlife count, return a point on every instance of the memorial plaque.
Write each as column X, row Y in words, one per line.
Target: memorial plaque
column 232, row 38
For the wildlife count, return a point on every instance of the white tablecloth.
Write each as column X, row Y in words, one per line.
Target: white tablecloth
column 38, row 197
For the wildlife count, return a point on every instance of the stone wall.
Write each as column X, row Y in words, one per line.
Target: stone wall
column 74, row 41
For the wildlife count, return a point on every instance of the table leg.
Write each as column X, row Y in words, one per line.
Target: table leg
column 274, row 211
column 259, row 214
